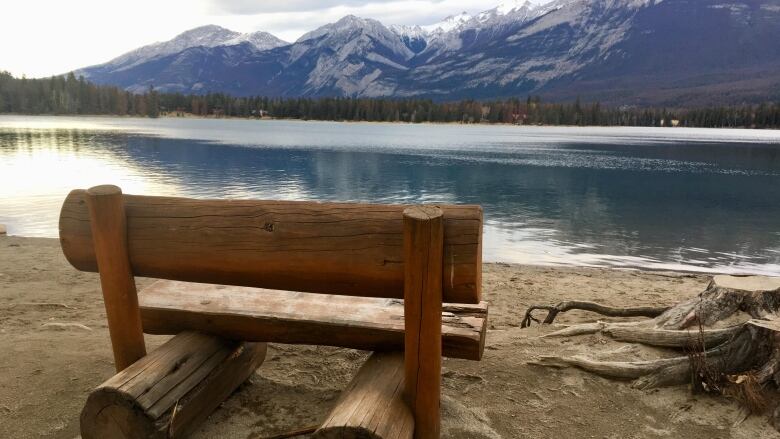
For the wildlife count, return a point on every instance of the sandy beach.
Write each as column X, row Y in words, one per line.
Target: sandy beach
column 47, row 369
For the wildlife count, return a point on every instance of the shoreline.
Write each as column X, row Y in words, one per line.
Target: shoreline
column 705, row 271
column 627, row 268
column 486, row 124
column 501, row 396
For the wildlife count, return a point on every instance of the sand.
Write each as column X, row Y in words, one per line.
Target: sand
column 54, row 348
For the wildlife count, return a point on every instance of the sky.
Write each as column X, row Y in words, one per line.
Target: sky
column 47, row 37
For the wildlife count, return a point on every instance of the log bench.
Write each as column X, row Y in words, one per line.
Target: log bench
column 402, row 281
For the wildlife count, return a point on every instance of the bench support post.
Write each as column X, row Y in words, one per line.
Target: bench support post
column 372, row 406
column 109, row 232
column 423, row 250
column 171, row 391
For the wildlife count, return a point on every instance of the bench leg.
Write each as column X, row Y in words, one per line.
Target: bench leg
column 423, row 253
column 167, row 393
column 372, row 406
column 109, row 232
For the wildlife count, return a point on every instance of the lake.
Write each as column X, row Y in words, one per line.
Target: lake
column 687, row 199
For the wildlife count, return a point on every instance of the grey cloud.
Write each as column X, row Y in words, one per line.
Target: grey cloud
column 251, row 7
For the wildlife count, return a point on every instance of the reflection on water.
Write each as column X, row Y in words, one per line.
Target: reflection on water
column 607, row 197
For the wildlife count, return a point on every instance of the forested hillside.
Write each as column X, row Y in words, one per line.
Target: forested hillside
column 69, row 95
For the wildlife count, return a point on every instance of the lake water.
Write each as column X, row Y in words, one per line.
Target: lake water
column 693, row 199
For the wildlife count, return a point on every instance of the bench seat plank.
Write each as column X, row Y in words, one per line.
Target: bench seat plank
column 257, row 314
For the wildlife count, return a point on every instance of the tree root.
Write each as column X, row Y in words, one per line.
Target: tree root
column 739, row 354
column 741, row 360
column 40, row 304
column 586, row 328
column 63, row 326
column 608, row 311
column 669, row 338
column 770, row 370
column 611, row 369
column 639, row 332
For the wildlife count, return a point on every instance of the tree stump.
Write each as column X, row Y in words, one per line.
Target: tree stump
column 729, row 335
column 167, row 393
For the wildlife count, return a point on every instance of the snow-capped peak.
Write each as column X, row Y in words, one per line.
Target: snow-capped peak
column 209, row 35
column 348, row 23
column 261, row 40
column 409, row 31
column 509, row 6
column 353, row 34
column 450, row 23
column 203, row 36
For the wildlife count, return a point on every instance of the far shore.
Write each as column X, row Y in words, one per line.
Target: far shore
column 169, row 115
column 46, row 371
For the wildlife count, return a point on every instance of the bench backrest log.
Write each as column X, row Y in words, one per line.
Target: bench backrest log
column 332, row 248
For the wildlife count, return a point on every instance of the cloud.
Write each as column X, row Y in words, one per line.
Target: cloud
column 79, row 33
column 300, row 16
column 251, row 7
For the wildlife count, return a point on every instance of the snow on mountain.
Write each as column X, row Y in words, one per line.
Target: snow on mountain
column 260, row 40
column 353, row 35
column 350, row 57
column 208, row 36
column 512, row 12
column 508, row 6
column 414, row 37
column 622, row 47
column 445, row 35
column 409, row 31
column 453, row 22
column 583, row 13
column 203, row 36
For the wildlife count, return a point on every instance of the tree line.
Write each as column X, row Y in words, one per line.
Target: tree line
column 68, row 94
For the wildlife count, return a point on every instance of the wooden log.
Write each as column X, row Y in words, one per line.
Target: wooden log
column 255, row 314
column 170, row 391
column 109, row 228
column 423, row 237
column 372, row 406
column 331, row 248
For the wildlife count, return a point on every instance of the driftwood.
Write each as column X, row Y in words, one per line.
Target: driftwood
column 741, row 360
column 553, row 310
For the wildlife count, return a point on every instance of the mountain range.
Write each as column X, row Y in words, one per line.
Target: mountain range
column 620, row 52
